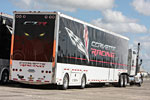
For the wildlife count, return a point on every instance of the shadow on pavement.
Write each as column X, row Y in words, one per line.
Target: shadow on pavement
column 51, row 86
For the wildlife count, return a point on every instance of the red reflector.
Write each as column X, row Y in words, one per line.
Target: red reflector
column 46, row 81
column 38, row 80
column 23, row 79
column 15, row 79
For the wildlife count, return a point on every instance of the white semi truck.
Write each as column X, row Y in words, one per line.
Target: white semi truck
column 135, row 77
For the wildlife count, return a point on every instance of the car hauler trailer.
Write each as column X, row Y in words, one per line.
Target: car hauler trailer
column 5, row 44
column 53, row 48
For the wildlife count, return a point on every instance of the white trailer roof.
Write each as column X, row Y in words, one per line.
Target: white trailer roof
column 33, row 12
column 82, row 22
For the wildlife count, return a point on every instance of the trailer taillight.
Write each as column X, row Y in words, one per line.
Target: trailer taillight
column 24, row 16
column 15, row 69
column 46, row 71
column 42, row 71
column 51, row 17
column 18, row 16
column 45, row 17
column 20, row 70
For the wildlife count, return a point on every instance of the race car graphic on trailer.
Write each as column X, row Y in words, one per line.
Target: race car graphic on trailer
column 76, row 41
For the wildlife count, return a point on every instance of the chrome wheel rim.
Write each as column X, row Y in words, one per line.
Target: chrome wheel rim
column 66, row 82
column 83, row 82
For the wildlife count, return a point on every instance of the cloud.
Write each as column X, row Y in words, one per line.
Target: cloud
column 66, row 5
column 146, row 61
column 142, row 6
column 115, row 21
column 145, row 43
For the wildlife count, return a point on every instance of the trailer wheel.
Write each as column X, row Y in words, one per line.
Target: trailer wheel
column 5, row 77
column 121, row 82
column 125, row 80
column 83, row 82
column 65, row 82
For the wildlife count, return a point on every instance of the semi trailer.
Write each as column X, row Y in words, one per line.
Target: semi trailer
column 5, row 44
column 53, row 48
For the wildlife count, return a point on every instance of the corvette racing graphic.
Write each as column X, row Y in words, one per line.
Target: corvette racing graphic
column 82, row 44
column 98, row 49
column 76, row 41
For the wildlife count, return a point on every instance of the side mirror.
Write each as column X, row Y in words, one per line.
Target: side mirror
column 141, row 61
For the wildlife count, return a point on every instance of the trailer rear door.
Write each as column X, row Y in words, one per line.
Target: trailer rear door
column 33, row 47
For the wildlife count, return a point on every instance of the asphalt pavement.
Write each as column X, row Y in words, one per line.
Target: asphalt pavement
column 16, row 91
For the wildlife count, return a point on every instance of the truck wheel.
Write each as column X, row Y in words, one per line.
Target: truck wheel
column 4, row 78
column 65, row 82
column 139, row 84
column 131, row 83
column 121, row 82
column 125, row 80
column 83, row 82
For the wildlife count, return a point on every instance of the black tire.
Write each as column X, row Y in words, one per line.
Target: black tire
column 139, row 84
column 131, row 83
column 125, row 80
column 65, row 82
column 121, row 82
column 5, row 77
column 83, row 82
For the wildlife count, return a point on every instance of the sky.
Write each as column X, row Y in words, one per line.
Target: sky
column 126, row 17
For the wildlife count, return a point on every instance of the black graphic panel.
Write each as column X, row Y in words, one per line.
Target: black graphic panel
column 34, row 36
column 84, row 45
column 5, row 37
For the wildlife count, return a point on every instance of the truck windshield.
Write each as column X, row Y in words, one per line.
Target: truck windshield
column 33, row 37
